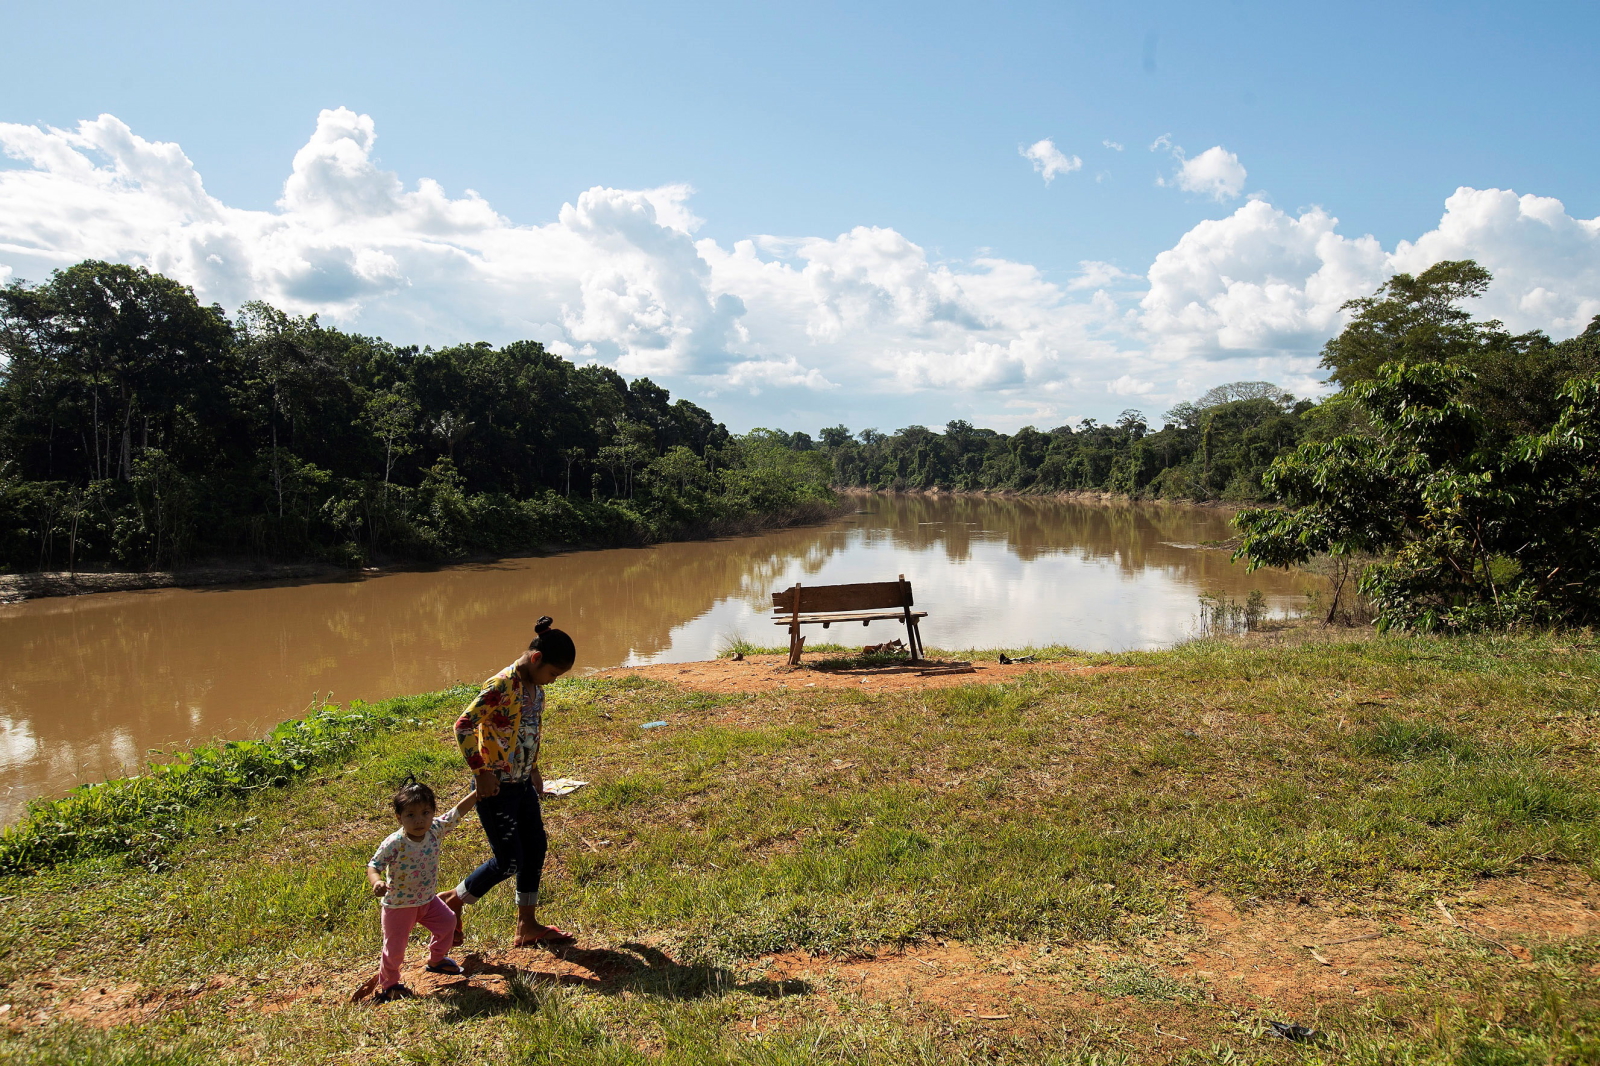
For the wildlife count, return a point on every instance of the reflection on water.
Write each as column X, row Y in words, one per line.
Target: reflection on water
column 91, row 684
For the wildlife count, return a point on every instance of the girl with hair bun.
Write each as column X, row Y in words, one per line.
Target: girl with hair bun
column 499, row 736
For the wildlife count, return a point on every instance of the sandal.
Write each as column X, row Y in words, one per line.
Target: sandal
column 446, row 966
column 392, row 993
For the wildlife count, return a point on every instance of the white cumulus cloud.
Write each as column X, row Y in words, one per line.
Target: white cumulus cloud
column 1215, row 172
column 1050, row 160
column 1128, row 385
column 1097, row 275
column 1257, row 280
column 1268, row 283
column 1546, row 263
column 864, row 322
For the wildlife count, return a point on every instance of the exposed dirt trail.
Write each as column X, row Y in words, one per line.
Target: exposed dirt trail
column 767, row 673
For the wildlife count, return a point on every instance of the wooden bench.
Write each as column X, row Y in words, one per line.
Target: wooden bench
column 826, row 604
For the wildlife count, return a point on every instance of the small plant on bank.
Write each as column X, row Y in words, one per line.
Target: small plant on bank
column 1130, row 977
column 736, row 644
column 1221, row 615
column 1397, row 738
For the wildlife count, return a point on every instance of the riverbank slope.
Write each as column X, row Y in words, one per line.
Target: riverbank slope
column 36, row 584
column 1145, row 857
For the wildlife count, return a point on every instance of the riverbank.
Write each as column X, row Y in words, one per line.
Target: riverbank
column 1074, row 496
column 18, row 588
column 33, row 585
column 1145, row 857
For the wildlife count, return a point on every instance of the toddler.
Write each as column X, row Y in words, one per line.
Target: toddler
column 411, row 857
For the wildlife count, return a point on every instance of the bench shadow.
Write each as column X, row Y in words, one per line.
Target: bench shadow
column 635, row 968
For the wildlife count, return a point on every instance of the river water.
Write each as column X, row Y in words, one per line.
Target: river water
column 89, row 685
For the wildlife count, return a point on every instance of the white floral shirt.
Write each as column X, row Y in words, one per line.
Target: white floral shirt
column 413, row 865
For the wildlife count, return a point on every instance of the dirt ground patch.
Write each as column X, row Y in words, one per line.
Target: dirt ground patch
column 488, row 978
column 1000, row 984
column 1290, row 961
column 768, row 673
column 1307, row 955
column 1214, row 963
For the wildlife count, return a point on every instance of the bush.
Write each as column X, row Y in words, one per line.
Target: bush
column 1479, row 532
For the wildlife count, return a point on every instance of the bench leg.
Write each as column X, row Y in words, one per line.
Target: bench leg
column 797, row 644
column 913, row 638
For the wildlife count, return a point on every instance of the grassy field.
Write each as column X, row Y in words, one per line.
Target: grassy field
column 1392, row 843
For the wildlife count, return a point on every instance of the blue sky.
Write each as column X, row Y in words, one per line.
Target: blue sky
column 801, row 123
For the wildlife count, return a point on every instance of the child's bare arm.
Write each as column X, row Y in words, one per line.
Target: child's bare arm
column 375, row 879
column 467, row 802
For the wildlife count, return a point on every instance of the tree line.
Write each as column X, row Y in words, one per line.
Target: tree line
column 140, row 428
column 1216, row 447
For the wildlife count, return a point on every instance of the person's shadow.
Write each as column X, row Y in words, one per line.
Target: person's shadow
column 637, row 968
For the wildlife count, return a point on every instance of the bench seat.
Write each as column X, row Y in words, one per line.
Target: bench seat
column 850, row 616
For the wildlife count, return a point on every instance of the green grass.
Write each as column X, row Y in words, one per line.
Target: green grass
column 1070, row 817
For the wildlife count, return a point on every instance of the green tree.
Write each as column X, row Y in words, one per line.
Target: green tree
column 1476, row 535
column 1412, row 319
column 118, row 360
column 392, row 417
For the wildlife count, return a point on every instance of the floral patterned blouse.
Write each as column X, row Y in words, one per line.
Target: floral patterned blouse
column 499, row 730
column 413, row 865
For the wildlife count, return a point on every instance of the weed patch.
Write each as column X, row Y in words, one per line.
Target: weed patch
column 1130, row 977
column 1394, row 738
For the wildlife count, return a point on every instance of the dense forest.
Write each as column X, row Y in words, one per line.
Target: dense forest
column 140, row 428
column 1216, row 447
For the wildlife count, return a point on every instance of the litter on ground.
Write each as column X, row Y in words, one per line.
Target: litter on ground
column 1299, row 1034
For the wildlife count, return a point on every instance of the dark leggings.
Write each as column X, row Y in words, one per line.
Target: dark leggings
column 515, row 827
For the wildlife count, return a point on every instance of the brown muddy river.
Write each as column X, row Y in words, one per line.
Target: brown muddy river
column 92, row 684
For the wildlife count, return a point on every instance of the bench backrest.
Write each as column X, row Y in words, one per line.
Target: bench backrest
column 867, row 596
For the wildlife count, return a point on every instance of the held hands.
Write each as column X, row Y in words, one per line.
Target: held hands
column 488, row 784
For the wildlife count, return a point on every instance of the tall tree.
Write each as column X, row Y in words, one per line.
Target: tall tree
column 1412, row 318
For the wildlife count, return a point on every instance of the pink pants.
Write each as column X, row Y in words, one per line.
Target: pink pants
column 398, row 922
